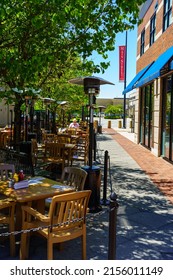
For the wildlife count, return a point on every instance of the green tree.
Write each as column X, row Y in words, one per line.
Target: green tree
column 114, row 111
column 41, row 39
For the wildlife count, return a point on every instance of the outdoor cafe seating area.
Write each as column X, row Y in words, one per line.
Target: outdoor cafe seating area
column 52, row 192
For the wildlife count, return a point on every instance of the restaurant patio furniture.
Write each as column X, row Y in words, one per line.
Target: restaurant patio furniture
column 66, row 220
column 7, row 209
column 33, row 192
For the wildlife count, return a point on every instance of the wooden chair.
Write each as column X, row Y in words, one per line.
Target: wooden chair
column 74, row 176
column 67, row 212
column 82, row 147
column 48, row 137
column 37, row 153
column 55, row 154
column 71, row 176
column 72, row 131
column 7, row 209
column 6, row 171
column 63, row 138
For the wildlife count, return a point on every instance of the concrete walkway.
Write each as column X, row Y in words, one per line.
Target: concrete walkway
column 145, row 212
column 145, row 219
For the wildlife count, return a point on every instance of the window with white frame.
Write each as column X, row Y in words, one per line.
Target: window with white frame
column 142, row 47
column 167, row 14
column 152, row 29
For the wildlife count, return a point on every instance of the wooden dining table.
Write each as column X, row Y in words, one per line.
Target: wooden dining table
column 38, row 189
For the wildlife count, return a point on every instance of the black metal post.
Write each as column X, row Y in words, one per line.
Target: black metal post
column 91, row 131
column 38, row 127
column 11, row 123
column 26, row 124
column 105, row 201
column 63, row 118
column 54, row 122
column 31, row 117
column 95, row 145
column 112, row 227
column 83, row 113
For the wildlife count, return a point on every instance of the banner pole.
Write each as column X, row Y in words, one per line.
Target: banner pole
column 125, row 77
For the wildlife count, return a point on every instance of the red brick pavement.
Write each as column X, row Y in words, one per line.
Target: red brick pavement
column 159, row 170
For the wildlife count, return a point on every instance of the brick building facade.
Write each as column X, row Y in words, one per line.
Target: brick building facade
column 154, row 79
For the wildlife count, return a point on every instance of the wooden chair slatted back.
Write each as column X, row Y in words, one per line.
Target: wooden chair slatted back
column 72, row 209
column 74, row 176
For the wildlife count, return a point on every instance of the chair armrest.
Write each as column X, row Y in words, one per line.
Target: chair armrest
column 35, row 214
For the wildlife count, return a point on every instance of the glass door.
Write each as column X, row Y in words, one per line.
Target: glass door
column 167, row 122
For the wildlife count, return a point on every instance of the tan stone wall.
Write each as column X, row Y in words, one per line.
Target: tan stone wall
column 137, row 120
column 156, row 120
column 111, row 101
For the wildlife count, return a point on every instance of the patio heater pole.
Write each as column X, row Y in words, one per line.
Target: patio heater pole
column 47, row 101
column 100, row 125
column 27, row 101
column 90, row 158
column 83, row 114
column 11, row 121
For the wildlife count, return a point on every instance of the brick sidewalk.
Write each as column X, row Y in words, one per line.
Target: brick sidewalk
column 159, row 170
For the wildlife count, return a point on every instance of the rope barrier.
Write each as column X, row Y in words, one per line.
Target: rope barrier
column 41, row 227
column 5, row 234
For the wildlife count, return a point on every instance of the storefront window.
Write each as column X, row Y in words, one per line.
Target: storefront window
column 146, row 133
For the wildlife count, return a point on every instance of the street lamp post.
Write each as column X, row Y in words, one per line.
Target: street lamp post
column 125, row 77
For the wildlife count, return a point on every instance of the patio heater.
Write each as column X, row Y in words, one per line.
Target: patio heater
column 100, row 115
column 28, row 99
column 62, row 105
column 47, row 101
column 92, row 88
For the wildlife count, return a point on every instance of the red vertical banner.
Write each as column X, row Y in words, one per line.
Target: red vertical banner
column 122, row 51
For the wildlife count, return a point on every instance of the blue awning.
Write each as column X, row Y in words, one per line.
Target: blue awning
column 138, row 76
column 155, row 70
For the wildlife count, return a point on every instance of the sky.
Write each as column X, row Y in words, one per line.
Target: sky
column 112, row 73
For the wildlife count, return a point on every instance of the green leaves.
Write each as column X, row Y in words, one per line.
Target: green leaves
column 37, row 36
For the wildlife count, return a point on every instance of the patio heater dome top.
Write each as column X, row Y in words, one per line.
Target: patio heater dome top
column 61, row 102
column 89, row 80
column 48, row 100
column 101, row 107
column 91, row 84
